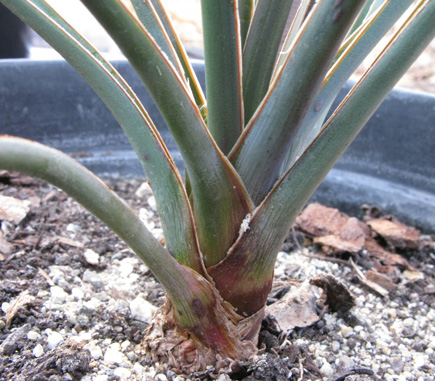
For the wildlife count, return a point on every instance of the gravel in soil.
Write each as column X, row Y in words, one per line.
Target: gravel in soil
column 75, row 302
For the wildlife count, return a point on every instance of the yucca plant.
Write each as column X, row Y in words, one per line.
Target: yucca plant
column 254, row 152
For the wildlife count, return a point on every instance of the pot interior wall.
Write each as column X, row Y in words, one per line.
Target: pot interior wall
column 390, row 164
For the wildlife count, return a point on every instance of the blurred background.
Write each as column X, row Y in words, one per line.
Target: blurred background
column 186, row 15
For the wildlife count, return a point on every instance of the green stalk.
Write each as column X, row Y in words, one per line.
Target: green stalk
column 223, row 78
column 152, row 12
column 261, row 50
column 367, row 38
column 218, row 213
column 251, row 260
column 246, row 10
column 370, row 7
column 149, row 18
column 171, row 199
column 264, row 143
column 301, row 13
column 197, row 305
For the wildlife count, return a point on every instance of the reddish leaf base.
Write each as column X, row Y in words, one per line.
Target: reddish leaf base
column 166, row 343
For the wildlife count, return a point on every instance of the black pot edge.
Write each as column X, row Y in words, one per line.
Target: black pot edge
column 341, row 189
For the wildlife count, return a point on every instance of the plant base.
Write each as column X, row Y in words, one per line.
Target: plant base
column 166, row 343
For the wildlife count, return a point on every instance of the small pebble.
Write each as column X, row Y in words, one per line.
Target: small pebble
column 91, row 257
column 73, row 228
column 125, row 267
column 327, row 369
column 397, row 364
column 53, row 340
column 33, row 336
column 38, row 351
column 5, row 307
column 77, row 293
column 419, row 360
column 162, row 377
column 152, row 203
column 93, row 278
column 224, row 377
column 138, row 369
column 58, row 295
column 100, row 377
column 132, row 356
column 92, row 304
column 122, row 373
column 346, row 331
column 113, row 354
column 95, row 350
column 143, row 190
column 142, row 310
column 345, row 362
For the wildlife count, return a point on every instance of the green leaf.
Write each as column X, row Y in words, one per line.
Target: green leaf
column 59, row 169
column 251, row 260
column 222, row 53
column 219, row 198
column 261, row 50
column 196, row 303
column 151, row 21
column 368, row 36
column 153, row 16
column 171, row 199
column 300, row 16
column 370, row 7
column 264, row 143
column 246, row 10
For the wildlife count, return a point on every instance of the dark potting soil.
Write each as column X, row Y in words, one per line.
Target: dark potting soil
column 67, row 284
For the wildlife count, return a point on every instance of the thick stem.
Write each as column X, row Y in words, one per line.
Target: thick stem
column 166, row 343
column 198, row 309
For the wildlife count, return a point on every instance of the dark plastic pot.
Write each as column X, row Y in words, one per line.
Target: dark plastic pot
column 390, row 164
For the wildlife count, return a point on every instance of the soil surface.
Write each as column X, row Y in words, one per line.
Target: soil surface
column 75, row 301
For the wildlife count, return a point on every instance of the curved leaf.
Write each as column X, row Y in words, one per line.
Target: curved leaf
column 251, row 260
column 219, row 198
column 246, row 10
column 264, row 143
column 154, row 17
column 301, row 13
column 223, row 71
column 369, row 34
column 150, row 20
column 197, row 304
column 171, row 199
column 59, row 169
column 261, row 50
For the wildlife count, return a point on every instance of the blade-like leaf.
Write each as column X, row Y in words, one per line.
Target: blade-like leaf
column 171, row 199
column 368, row 36
column 290, row 39
column 366, row 14
column 217, row 213
column 261, row 49
column 196, row 303
column 246, row 10
column 251, row 260
column 152, row 12
column 370, row 7
column 59, row 169
column 264, row 143
column 222, row 53
column 149, row 18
